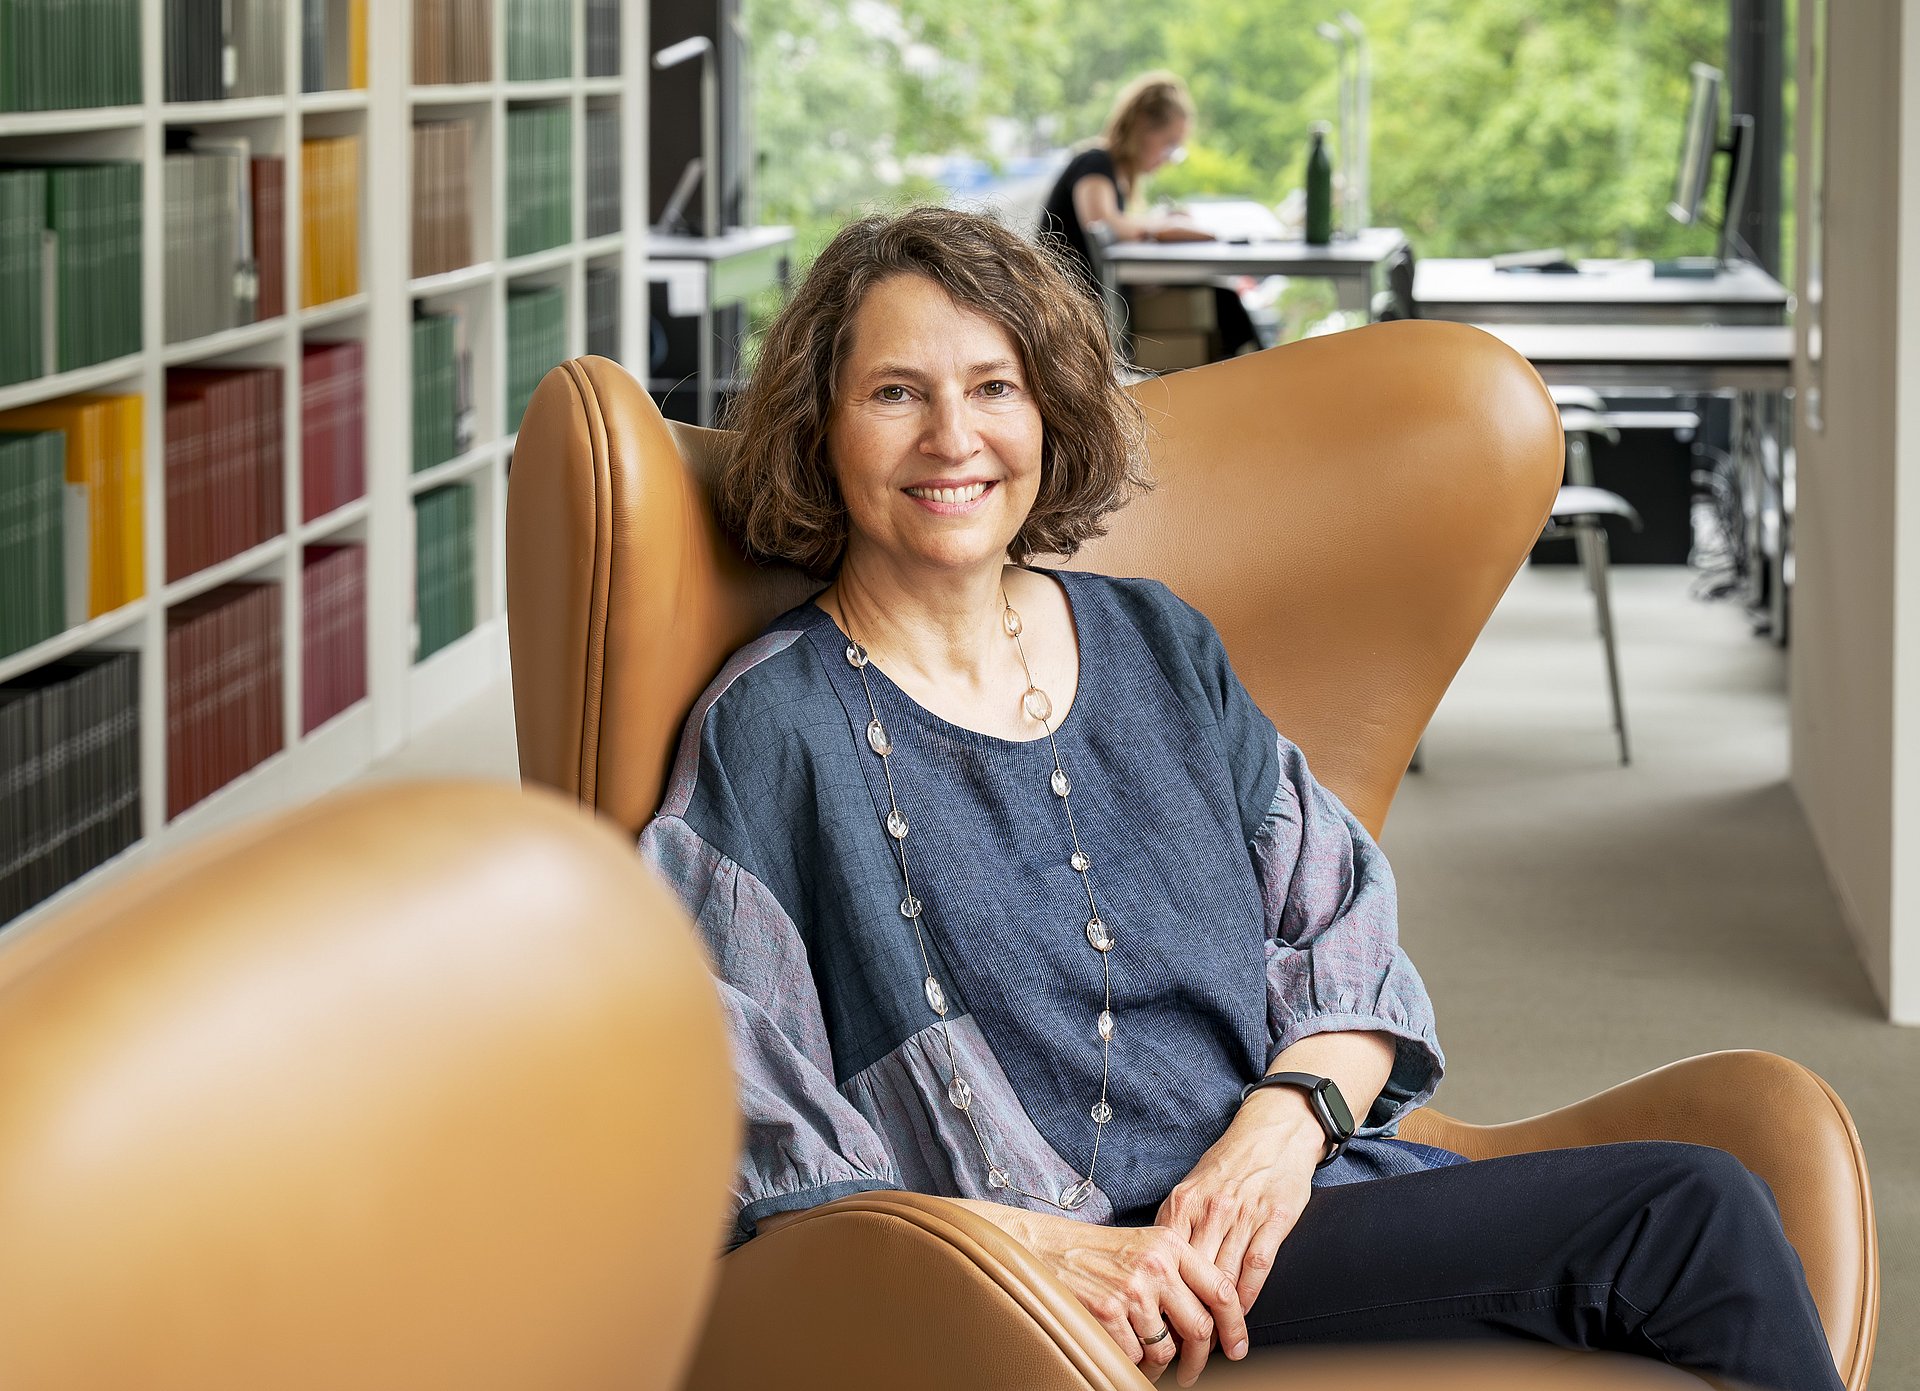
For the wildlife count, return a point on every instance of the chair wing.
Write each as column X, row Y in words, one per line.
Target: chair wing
column 623, row 596
column 418, row 1086
column 1347, row 510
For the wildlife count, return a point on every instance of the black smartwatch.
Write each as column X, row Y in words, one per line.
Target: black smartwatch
column 1323, row 1098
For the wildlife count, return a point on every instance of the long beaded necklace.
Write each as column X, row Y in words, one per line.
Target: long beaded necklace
column 1099, row 934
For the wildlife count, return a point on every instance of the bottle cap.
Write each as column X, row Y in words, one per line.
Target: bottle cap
column 1320, row 128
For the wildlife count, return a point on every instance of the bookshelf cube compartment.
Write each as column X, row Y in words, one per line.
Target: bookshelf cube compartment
column 444, row 579
column 443, row 195
column 225, row 464
column 452, row 41
column 223, row 201
column 330, row 183
column 539, row 39
column 603, row 309
column 70, row 786
column 224, row 696
column 333, row 44
column 333, row 426
column 602, row 173
column 536, row 342
column 103, row 529
column 603, row 38
column 61, row 57
column 539, row 201
column 333, row 632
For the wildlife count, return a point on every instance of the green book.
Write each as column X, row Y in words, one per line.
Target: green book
column 32, row 525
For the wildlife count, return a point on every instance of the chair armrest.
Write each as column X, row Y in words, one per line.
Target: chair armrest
column 887, row 1289
column 1779, row 1119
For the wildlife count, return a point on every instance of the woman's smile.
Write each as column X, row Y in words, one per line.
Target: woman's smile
column 951, row 499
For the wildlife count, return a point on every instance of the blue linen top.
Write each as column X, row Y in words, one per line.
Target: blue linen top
column 1250, row 909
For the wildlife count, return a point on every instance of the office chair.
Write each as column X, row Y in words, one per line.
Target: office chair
column 1347, row 510
column 423, row 1088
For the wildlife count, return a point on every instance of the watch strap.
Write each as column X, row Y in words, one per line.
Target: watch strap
column 1313, row 1086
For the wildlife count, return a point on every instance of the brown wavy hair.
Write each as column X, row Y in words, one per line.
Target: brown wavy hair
column 777, row 492
column 1152, row 101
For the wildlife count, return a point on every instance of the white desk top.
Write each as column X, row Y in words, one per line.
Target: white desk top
column 737, row 241
column 1442, row 282
column 1691, row 345
column 1132, row 260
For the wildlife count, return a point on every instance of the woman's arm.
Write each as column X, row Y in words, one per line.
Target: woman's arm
column 1241, row 1200
column 1096, row 200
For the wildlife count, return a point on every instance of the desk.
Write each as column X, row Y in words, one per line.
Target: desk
column 1353, row 265
column 1604, row 292
column 703, row 274
column 1752, row 362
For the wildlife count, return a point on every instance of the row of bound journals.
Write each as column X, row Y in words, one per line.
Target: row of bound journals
column 70, row 730
column 453, row 40
column 56, row 54
column 71, row 534
column 224, row 676
column 70, row 255
column 69, row 773
column 236, row 48
column 71, row 540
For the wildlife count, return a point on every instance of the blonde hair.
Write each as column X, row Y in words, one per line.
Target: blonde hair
column 1152, row 101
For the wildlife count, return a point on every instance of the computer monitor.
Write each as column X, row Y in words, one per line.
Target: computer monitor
column 1699, row 143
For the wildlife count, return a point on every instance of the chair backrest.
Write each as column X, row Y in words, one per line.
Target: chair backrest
column 1347, row 510
column 423, row 1087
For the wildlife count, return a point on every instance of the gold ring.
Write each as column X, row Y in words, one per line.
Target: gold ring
column 1166, row 1331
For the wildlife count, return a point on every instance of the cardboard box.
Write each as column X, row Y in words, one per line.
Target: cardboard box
column 1171, row 352
column 1173, row 309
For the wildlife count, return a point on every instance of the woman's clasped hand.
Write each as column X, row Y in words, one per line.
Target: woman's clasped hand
column 1197, row 1271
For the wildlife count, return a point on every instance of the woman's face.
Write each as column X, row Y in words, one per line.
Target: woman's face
column 934, row 436
column 1157, row 146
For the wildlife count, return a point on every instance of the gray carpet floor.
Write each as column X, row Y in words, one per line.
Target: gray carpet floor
column 1578, row 922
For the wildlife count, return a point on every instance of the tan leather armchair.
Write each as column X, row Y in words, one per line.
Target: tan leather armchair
column 1347, row 510
column 418, row 1089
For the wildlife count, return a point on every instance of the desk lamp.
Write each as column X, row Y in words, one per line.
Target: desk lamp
column 701, row 47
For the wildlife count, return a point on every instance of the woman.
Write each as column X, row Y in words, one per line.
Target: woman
column 1147, row 127
column 1014, row 896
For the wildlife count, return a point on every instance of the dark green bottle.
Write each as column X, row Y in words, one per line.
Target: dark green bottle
column 1319, row 187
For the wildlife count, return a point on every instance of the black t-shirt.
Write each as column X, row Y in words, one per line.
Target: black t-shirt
column 1060, row 225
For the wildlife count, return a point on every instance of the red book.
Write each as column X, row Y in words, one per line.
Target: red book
column 269, row 180
column 317, row 434
column 185, row 467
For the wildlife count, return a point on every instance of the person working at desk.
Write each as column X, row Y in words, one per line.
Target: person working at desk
column 1147, row 128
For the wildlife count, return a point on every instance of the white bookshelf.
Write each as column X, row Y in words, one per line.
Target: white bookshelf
column 402, row 695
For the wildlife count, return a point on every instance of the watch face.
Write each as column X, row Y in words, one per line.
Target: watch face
column 1337, row 1108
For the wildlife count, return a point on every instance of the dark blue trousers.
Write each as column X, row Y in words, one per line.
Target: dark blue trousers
column 1667, row 1250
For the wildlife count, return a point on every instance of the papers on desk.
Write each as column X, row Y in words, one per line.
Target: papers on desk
column 1235, row 219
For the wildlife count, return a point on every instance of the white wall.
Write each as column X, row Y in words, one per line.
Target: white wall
column 1856, row 609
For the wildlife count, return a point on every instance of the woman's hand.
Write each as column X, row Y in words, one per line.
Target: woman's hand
column 1248, row 1190
column 1136, row 1281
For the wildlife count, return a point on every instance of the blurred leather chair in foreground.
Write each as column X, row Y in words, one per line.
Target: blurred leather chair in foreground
column 418, row 1089
column 1347, row 510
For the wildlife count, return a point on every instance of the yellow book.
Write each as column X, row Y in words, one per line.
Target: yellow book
column 311, row 154
column 133, row 534
column 348, row 201
column 357, row 42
